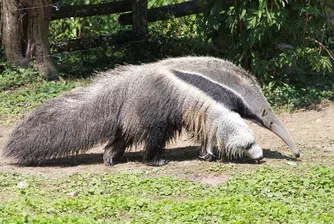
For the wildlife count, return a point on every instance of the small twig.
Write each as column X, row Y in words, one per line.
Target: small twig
column 306, row 19
column 322, row 46
column 322, row 36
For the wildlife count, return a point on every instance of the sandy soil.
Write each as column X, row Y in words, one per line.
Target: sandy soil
column 312, row 130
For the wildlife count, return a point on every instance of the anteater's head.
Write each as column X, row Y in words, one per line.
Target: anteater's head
column 268, row 119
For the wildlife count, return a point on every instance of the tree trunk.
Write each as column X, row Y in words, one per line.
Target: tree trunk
column 25, row 33
column 11, row 32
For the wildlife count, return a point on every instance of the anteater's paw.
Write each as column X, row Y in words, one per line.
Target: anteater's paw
column 207, row 157
column 158, row 162
column 109, row 161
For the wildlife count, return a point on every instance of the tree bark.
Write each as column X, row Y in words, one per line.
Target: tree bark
column 11, row 32
column 25, row 34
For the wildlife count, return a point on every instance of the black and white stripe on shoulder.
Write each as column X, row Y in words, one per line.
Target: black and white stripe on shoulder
column 218, row 92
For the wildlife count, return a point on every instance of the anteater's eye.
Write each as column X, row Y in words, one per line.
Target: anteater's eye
column 263, row 112
column 249, row 145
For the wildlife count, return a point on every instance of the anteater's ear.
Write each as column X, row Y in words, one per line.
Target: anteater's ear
column 263, row 112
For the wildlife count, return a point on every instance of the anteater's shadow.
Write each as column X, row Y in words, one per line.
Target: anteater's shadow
column 174, row 154
column 267, row 153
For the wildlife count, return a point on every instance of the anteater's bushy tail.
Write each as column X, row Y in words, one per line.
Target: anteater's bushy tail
column 66, row 125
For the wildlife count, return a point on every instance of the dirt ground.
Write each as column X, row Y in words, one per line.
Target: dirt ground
column 312, row 130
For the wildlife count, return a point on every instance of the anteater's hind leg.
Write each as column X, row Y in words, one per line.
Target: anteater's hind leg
column 154, row 147
column 113, row 151
column 155, row 157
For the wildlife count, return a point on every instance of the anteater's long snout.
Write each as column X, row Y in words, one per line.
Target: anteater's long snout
column 283, row 133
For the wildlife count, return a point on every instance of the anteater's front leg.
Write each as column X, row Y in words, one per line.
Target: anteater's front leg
column 113, row 151
column 206, row 152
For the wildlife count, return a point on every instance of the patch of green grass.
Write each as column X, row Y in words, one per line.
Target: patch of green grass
column 270, row 194
column 218, row 168
column 14, row 77
column 22, row 89
column 17, row 101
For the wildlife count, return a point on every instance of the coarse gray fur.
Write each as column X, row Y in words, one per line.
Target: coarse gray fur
column 147, row 104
